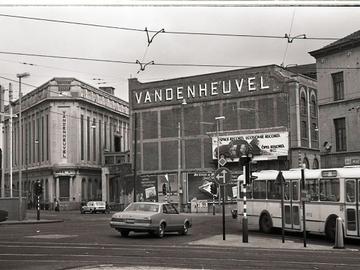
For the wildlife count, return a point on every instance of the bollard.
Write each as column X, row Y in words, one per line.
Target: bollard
column 339, row 234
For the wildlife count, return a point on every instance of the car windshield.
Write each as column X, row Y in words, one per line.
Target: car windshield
column 145, row 207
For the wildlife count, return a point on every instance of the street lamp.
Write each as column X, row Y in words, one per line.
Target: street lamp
column 20, row 76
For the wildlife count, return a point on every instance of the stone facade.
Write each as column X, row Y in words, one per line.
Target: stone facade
column 341, row 57
column 67, row 125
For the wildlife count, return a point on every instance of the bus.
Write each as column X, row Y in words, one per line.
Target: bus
column 328, row 194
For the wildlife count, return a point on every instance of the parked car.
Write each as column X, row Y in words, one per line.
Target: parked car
column 94, row 207
column 154, row 218
column 3, row 215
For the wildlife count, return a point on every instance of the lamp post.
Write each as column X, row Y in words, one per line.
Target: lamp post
column 218, row 166
column 20, row 76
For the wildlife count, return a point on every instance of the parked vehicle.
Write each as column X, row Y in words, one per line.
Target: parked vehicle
column 3, row 215
column 151, row 217
column 93, row 207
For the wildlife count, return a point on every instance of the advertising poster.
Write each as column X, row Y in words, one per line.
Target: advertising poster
column 263, row 146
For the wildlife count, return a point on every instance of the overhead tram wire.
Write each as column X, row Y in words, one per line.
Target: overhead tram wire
column 154, row 31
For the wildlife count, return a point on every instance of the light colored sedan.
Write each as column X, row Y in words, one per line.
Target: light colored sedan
column 151, row 217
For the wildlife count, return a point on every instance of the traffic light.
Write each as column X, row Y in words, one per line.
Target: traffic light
column 213, row 188
column 164, row 189
column 38, row 188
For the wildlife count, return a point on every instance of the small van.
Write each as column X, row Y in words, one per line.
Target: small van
column 93, row 207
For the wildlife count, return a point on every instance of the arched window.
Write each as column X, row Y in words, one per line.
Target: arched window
column 306, row 162
column 314, row 131
column 315, row 164
column 313, row 106
column 303, row 104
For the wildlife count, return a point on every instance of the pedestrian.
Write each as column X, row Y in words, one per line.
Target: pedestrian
column 57, row 205
column 107, row 208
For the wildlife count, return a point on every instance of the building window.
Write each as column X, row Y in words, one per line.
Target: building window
column 303, row 129
column 313, row 107
column 315, row 164
column 303, row 104
column 82, row 154
column 93, row 127
column 338, row 84
column 88, row 138
column 314, row 132
column 306, row 163
column 340, row 134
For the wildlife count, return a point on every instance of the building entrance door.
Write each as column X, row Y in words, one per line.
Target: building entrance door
column 64, row 185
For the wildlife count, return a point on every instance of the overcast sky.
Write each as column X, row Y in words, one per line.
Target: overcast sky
column 69, row 40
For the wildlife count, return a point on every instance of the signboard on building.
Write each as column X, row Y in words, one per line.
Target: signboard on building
column 202, row 88
column 264, row 146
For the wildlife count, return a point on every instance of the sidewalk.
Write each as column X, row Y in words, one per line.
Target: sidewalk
column 254, row 241
column 29, row 221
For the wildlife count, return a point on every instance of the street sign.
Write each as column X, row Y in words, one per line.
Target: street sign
column 222, row 161
column 223, row 176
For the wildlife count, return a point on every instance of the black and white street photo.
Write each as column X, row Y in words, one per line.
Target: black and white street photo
column 179, row 135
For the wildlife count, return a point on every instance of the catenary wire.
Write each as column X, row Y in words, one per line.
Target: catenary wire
column 153, row 31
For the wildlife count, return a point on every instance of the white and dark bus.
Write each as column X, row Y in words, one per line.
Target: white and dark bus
column 330, row 193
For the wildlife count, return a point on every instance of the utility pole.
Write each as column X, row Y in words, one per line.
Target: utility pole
column 10, row 140
column 20, row 76
column 135, row 153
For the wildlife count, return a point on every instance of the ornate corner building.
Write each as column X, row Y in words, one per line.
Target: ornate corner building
column 69, row 130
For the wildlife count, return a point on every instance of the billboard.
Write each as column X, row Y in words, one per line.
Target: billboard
column 264, row 146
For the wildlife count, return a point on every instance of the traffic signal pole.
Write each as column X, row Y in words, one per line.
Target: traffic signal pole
column 38, row 208
column 246, row 169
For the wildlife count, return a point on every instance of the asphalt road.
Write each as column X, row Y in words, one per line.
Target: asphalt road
column 88, row 242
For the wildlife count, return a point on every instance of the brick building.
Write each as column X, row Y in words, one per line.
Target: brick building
column 338, row 77
column 177, row 131
column 67, row 126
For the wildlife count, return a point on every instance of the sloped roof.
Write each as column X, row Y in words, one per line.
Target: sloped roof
column 348, row 42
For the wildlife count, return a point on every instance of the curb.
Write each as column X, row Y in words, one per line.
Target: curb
column 4, row 223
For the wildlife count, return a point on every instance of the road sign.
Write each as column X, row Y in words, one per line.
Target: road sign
column 222, row 161
column 223, row 176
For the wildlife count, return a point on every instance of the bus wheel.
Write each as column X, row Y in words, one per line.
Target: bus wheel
column 330, row 228
column 265, row 223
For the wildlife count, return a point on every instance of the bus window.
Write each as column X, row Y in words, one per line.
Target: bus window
column 313, row 189
column 295, row 190
column 274, row 190
column 350, row 190
column 287, row 191
column 329, row 190
column 259, row 189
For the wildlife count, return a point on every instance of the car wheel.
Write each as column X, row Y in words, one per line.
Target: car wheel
column 161, row 230
column 185, row 229
column 124, row 233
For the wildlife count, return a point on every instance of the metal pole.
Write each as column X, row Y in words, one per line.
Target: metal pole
column 213, row 205
column 303, row 203
column 282, row 211
column 223, row 208
column 38, row 208
column 10, row 140
column 218, row 144
column 244, row 219
column 135, row 153
column 20, row 151
column 179, row 161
